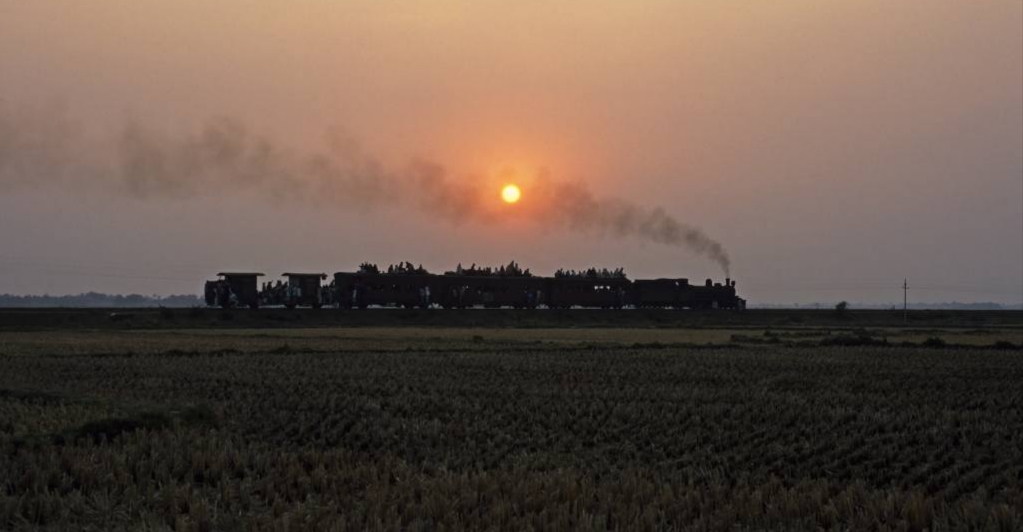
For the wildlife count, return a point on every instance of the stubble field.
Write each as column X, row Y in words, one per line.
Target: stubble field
column 516, row 429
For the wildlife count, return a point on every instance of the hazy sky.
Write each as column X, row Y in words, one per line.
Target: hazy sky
column 832, row 148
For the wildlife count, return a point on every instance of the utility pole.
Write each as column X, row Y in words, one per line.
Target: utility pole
column 905, row 301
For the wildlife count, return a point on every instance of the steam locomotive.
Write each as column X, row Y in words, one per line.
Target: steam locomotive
column 509, row 287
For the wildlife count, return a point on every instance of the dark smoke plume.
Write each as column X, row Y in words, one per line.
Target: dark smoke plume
column 39, row 149
column 580, row 210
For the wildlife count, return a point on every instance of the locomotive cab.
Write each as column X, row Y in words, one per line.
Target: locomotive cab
column 717, row 296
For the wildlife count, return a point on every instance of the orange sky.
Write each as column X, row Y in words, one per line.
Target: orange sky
column 832, row 147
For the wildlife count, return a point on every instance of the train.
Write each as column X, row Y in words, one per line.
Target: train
column 406, row 286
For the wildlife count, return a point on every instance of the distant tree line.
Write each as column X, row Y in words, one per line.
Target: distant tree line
column 97, row 299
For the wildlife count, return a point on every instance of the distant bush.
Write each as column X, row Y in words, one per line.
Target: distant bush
column 934, row 341
column 648, row 345
column 851, row 340
column 768, row 338
column 120, row 316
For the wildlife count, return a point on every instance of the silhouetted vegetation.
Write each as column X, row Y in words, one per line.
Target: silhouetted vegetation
column 100, row 300
column 853, row 339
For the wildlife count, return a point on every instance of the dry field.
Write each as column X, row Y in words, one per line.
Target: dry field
column 514, row 429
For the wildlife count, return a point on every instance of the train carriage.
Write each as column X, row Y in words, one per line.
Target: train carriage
column 361, row 290
column 603, row 292
column 717, row 296
column 490, row 291
column 411, row 287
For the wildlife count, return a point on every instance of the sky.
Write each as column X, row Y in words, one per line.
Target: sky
column 823, row 151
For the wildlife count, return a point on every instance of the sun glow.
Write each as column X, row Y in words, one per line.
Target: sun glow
column 511, row 193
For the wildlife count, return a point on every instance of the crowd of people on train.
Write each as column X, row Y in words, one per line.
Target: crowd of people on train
column 221, row 294
column 281, row 293
column 401, row 268
column 592, row 273
column 511, row 270
column 273, row 294
column 406, row 268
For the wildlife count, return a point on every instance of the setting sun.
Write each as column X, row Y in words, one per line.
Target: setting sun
column 510, row 193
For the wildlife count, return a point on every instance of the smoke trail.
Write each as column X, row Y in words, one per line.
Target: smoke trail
column 37, row 149
column 569, row 205
column 225, row 158
column 574, row 206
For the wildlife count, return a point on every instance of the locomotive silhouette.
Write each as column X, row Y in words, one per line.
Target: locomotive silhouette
column 408, row 286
